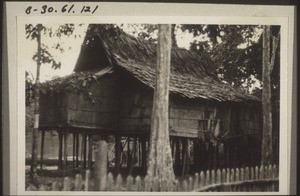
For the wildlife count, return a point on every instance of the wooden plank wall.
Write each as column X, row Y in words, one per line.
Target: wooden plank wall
column 245, row 120
column 103, row 113
column 74, row 109
column 53, row 109
column 185, row 115
column 126, row 106
column 135, row 110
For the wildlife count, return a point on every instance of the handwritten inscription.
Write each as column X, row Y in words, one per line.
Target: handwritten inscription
column 66, row 9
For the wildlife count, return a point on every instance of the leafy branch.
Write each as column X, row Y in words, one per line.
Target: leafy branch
column 78, row 83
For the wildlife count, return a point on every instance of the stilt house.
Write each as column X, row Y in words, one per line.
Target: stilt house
column 212, row 124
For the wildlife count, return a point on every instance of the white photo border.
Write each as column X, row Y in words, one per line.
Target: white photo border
column 145, row 13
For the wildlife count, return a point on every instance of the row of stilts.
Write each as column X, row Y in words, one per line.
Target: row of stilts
column 129, row 152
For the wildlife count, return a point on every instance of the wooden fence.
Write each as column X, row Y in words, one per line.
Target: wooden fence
column 226, row 180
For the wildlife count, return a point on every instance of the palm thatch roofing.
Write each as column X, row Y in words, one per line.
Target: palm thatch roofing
column 192, row 75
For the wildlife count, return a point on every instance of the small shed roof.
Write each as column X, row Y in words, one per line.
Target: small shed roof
column 192, row 75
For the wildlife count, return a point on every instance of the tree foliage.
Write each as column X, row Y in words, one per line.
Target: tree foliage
column 240, row 67
column 233, row 48
column 31, row 32
column 78, row 83
column 29, row 86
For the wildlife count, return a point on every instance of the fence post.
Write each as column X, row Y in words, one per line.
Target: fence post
column 196, row 181
column 202, row 179
column 270, row 172
column 110, row 182
column 256, row 173
column 119, row 182
column 190, row 184
column 55, row 186
column 232, row 175
column 213, row 177
column 237, row 175
column 67, row 184
column 129, row 183
column 42, row 188
column 261, row 172
column 252, row 174
column 207, row 178
column 78, row 182
column 87, row 180
column 237, row 179
column 218, row 176
column 266, row 176
column 242, row 177
column 184, row 186
column 223, row 179
column 138, row 183
column 147, row 185
column 228, row 175
column 176, row 188
column 247, row 174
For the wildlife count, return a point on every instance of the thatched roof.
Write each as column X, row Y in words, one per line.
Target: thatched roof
column 192, row 75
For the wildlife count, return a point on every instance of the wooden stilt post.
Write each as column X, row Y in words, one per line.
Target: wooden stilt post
column 65, row 148
column 74, row 149
column 144, row 153
column 202, row 155
column 188, row 155
column 132, row 156
column 60, row 136
column 215, row 150
column 196, row 155
column 211, row 156
column 84, row 151
column 77, row 149
column 128, row 153
column 177, row 154
column 117, row 153
column 42, row 149
column 139, row 152
column 90, row 151
column 134, row 151
column 226, row 154
column 184, row 156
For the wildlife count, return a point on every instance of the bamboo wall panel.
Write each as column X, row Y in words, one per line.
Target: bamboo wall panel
column 126, row 107
column 75, row 109
column 97, row 119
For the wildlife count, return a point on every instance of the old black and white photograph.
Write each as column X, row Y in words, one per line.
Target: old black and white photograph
column 153, row 107
column 174, row 105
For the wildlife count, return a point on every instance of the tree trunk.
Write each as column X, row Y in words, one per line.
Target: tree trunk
column 160, row 157
column 35, row 133
column 42, row 150
column 60, row 146
column 173, row 36
column 268, row 64
column 101, row 157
